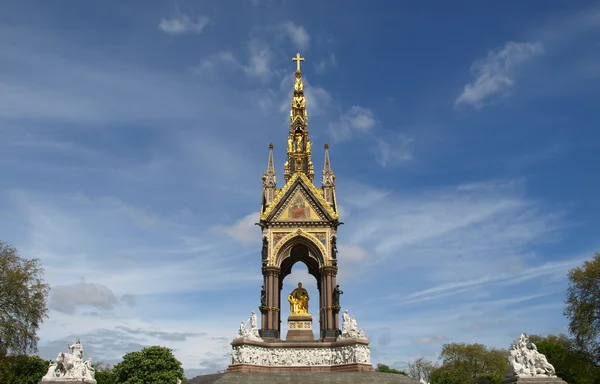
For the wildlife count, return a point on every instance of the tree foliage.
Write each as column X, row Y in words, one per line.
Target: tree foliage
column 420, row 369
column 470, row 363
column 583, row 305
column 23, row 296
column 386, row 369
column 27, row 369
column 151, row 365
column 572, row 364
column 104, row 373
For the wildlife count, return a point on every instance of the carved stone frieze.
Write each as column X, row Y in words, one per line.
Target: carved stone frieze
column 294, row 357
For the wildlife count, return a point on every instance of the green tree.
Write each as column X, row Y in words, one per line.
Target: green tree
column 448, row 375
column 151, row 365
column 571, row 363
column 583, row 305
column 470, row 363
column 420, row 369
column 23, row 296
column 27, row 369
column 384, row 368
column 104, row 373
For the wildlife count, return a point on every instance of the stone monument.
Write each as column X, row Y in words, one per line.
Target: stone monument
column 71, row 367
column 299, row 223
column 527, row 365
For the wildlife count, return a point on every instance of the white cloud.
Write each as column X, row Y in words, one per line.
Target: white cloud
column 65, row 298
column 259, row 64
column 297, row 34
column 352, row 253
column 494, row 74
column 181, row 23
column 329, row 61
column 355, row 120
column 244, row 230
column 215, row 61
column 439, row 339
column 394, row 150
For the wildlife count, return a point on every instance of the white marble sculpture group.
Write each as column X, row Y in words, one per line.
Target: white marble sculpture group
column 257, row 355
column 252, row 332
column 526, row 361
column 349, row 328
column 71, row 367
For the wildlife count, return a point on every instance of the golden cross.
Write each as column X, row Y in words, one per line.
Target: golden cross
column 297, row 59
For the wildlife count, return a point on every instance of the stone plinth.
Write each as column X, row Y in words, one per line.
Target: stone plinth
column 304, row 378
column 533, row 380
column 68, row 381
column 348, row 355
column 300, row 328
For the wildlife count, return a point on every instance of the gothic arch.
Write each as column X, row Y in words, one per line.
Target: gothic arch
column 283, row 247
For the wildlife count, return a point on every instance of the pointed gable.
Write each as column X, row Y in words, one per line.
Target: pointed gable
column 298, row 201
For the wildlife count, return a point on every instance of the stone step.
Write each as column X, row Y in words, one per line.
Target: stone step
column 302, row 378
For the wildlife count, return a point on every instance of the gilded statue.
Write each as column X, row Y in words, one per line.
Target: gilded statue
column 298, row 143
column 290, row 144
column 298, row 300
column 308, row 145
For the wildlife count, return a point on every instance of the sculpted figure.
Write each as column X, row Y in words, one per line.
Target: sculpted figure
column 77, row 349
column 526, row 361
column 290, row 146
column 308, row 145
column 242, row 332
column 265, row 248
column 263, row 296
column 71, row 366
column 334, row 247
column 349, row 328
column 336, row 295
column 298, row 300
column 298, row 143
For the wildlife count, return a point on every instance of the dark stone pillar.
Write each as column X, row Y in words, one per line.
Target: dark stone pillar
column 328, row 272
column 270, row 317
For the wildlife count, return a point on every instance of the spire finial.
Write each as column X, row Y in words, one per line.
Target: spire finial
column 298, row 144
column 298, row 59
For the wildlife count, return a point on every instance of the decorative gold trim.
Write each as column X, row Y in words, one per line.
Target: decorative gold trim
column 315, row 192
column 265, row 308
column 331, row 307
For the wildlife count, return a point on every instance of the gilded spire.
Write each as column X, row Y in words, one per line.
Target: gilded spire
column 299, row 144
column 328, row 179
column 269, row 179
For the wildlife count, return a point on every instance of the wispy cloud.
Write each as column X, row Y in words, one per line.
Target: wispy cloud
column 180, row 24
column 297, row 34
column 244, row 230
column 494, row 74
column 258, row 65
column 327, row 62
column 356, row 120
column 394, row 149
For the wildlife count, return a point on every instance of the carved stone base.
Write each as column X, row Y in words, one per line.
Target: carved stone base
column 350, row 355
column 67, row 381
column 352, row 367
column 533, row 380
column 300, row 328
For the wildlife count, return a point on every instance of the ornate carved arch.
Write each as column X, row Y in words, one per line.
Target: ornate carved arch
column 299, row 236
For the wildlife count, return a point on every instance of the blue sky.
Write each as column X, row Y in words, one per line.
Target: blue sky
column 463, row 135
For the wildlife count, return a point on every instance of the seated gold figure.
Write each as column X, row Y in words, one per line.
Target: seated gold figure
column 298, row 300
